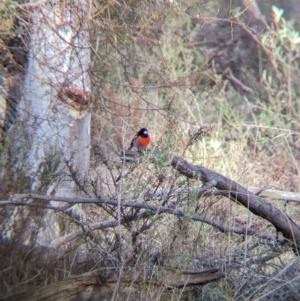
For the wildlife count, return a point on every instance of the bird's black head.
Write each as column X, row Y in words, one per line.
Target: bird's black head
column 143, row 132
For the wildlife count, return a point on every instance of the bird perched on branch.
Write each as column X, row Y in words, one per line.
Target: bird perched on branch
column 137, row 146
column 141, row 140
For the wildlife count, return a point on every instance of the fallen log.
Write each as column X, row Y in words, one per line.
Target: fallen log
column 129, row 286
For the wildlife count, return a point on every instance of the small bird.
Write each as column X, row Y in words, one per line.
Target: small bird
column 141, row 140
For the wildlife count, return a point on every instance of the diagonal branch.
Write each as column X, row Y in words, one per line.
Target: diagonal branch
column 236, row 192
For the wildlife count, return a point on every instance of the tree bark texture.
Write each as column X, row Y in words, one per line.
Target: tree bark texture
column 53, row 125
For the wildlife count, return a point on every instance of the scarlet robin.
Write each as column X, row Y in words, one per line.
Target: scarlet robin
column 141, row 140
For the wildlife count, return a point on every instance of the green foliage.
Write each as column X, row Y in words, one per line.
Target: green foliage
column 281, row 82
column 49, row 171
column 6, row 16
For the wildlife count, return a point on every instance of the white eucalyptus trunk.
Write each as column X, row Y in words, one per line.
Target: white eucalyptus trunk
column 54, row 117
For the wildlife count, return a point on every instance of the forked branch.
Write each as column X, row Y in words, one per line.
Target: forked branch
column 236, row 192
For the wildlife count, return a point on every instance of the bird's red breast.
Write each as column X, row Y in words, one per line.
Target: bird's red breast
column 142, row 142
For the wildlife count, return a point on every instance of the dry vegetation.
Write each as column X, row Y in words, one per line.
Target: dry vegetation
column 211, row 90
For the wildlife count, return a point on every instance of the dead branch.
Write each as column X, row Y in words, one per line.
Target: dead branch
column 154, row 209
column 98, row 287
column 264, row 192
column 238, row 193
column 75, row 234
column 252, row 33
column 236, row 81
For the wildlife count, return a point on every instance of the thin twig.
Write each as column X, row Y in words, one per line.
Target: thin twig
column 154, row 208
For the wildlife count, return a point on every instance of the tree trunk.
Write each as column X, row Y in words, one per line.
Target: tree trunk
column 52, row 135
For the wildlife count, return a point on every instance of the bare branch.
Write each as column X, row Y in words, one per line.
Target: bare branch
column 236, row 192
column 155, row 209
column 236, row 81
column 71, row 236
